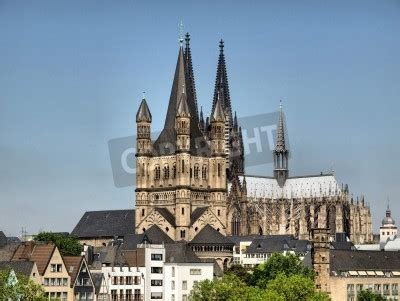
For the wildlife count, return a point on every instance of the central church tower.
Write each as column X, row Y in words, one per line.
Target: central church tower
column 181, row 181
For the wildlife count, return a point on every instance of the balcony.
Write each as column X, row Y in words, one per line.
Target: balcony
column 127, row 298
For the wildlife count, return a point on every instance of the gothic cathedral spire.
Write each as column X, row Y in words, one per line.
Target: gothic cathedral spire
column 281, row 154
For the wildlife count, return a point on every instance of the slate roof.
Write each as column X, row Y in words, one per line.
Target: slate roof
column 108, row 223
column 167, row 215
column 268, row 245
column 143, row 114
column 152, row 235
column 97, row 281
column 7, row 252
column 3, row 239
column 196, row 214
column 342, row 245
column 166, row 142
column 180, row 252
column 238, row 239
column 73, row 265
column 40, row 253
column 345, row 260
column 19, row 267
column 209, row 236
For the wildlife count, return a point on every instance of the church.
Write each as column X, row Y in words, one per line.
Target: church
column 191, row 181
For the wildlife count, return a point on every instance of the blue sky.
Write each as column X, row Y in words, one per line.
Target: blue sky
column 72, row 74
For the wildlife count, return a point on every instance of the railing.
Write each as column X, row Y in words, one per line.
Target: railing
column 386, row 292
column 126, row 298
column 395, row 292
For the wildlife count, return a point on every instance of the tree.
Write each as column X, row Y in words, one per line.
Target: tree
column 68, row 245
column 368, row 295
column 288, row 265
column 295, row 288
column 239, row 271
column 21, row 288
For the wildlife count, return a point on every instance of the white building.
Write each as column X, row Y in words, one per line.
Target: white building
column 253, row 250
column 151, row 271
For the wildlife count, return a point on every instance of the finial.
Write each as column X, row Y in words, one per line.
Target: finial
column 280, row 105
column 187, row 38
column 221, row 45
column 388, row 203
column 181, row 33
column 144, row 95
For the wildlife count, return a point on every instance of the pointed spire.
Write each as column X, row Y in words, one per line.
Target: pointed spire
column 143, row 114
column 235, row 123
column 183, row 108
column 280, row 134
column 190, row 74
column 201, row 121
column 218, row 113
column 222, row 86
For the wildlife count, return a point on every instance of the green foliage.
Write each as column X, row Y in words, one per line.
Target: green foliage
column 367, row 295
column 281, row 278
column 288, row 265
column 68, row 245
column 24, row 289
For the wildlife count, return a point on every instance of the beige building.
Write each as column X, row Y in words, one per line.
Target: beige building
column 52, row 271
column 344, row 273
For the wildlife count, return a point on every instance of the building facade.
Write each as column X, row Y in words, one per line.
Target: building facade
column 193, row 174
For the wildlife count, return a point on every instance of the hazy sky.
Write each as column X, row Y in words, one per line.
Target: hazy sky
column 72, row 74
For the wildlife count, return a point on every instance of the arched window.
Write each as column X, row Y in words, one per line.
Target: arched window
column 219, row 170
column 157, row 172
column 174, row 171
column 204, row 173
column 183, row 234
column 166, row 171
column 183, row 166
column 196, row 171
column 235, row 223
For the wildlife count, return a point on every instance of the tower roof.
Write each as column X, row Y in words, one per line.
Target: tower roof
column 190, row 74
column 143, row 114
column 221, row 84
column 280, row 133
column 166, row 142
column 218, row 113
column 183, row 108
column 388, row 220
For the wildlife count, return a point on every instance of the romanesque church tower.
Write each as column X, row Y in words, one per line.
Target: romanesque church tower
column 181, row 182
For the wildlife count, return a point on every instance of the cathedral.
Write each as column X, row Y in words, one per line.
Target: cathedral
column 191, row 179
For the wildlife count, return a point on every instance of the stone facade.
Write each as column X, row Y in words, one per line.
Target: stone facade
column 193, row 175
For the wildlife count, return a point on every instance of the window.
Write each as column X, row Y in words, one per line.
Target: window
column 173, row 285
column 183, row 211
column 143, row 212
column 156, row 256
column 172, row 297
column 114, row 296
column 219, row 170
column 128, row 295
column 157, row 172
column 219, row 212
column 156, row 282
column 195, row 283
column 137, row 295
column 174, row 171
column 173, row 271
column 114, row 280
column 46, row 282
column 195, row 271
column 204, row 173
column 184, row 285
column 166, row 172
column 65, row 296
column 52, row 268
column 395, row 289
column 183, row 166
column 137, row 280
column 184, row 298
column 156, row 270
column 183, row 234
column 65, row 281
column 121, row 280
column 156, row 295
column 59, row 268
column 196, row 171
